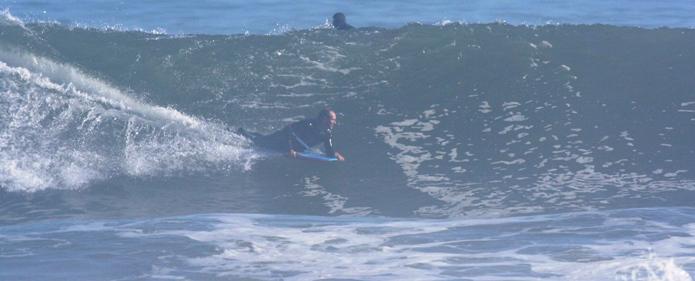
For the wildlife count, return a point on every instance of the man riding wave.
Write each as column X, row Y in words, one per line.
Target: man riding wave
column 301, row 136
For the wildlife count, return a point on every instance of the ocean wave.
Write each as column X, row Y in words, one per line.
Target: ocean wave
column 66, row 129
column 479, row 119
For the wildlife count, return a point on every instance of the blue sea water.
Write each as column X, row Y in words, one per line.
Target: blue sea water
column 485, row 140
column 277, row 16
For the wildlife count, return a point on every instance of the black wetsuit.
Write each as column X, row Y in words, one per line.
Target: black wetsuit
column 295, row 136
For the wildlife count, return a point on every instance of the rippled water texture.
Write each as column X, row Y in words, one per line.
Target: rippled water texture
column 474, row 151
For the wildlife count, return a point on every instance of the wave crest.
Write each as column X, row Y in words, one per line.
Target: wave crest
column 66, row 129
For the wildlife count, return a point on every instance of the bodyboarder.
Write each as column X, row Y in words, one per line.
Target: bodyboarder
column 301, row 136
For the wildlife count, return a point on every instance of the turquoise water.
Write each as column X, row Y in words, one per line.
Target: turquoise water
column 475, row 151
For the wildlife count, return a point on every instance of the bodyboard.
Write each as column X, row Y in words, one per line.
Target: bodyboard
column 310, row 155
column 306, row 154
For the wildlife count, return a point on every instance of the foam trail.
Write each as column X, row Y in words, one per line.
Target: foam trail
column 66, row 129
column 6, row 18
column 105, row 93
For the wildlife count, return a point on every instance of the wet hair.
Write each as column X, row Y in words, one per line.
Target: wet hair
column 340, row 23
column 339, row 17
column 325, row 113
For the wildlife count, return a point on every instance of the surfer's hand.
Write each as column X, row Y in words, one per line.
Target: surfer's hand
column 293, row 153
column 340, row 157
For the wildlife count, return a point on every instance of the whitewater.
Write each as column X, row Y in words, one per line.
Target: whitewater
column 475, row 151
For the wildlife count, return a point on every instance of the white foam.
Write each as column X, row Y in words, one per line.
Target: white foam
column 332, row 55
column 263, row 247
column 6, row 18
column 90, row 88
column 625, row 244
column 512, row 162
column 517, row 117
column 16, row 177
column 509, row 105
column 485, row 107
column 66, row 130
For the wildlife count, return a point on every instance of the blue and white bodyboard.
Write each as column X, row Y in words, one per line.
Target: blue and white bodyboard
column 311, row 155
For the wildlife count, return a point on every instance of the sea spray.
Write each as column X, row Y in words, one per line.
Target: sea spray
column 65, row 129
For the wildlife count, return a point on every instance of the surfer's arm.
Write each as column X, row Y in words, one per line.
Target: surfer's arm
column 328, row 147
column 290, row 141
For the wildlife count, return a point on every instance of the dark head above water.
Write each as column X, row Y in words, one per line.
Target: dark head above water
column 340, row 23
column 327, row 118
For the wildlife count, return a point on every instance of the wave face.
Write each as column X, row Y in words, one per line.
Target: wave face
column 454, row 120
column 474, row 151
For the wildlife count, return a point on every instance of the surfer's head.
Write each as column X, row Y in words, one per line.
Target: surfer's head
column 327, row 118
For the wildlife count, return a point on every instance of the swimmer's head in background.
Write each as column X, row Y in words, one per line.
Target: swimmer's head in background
column 339, row 22
column 339, row 18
